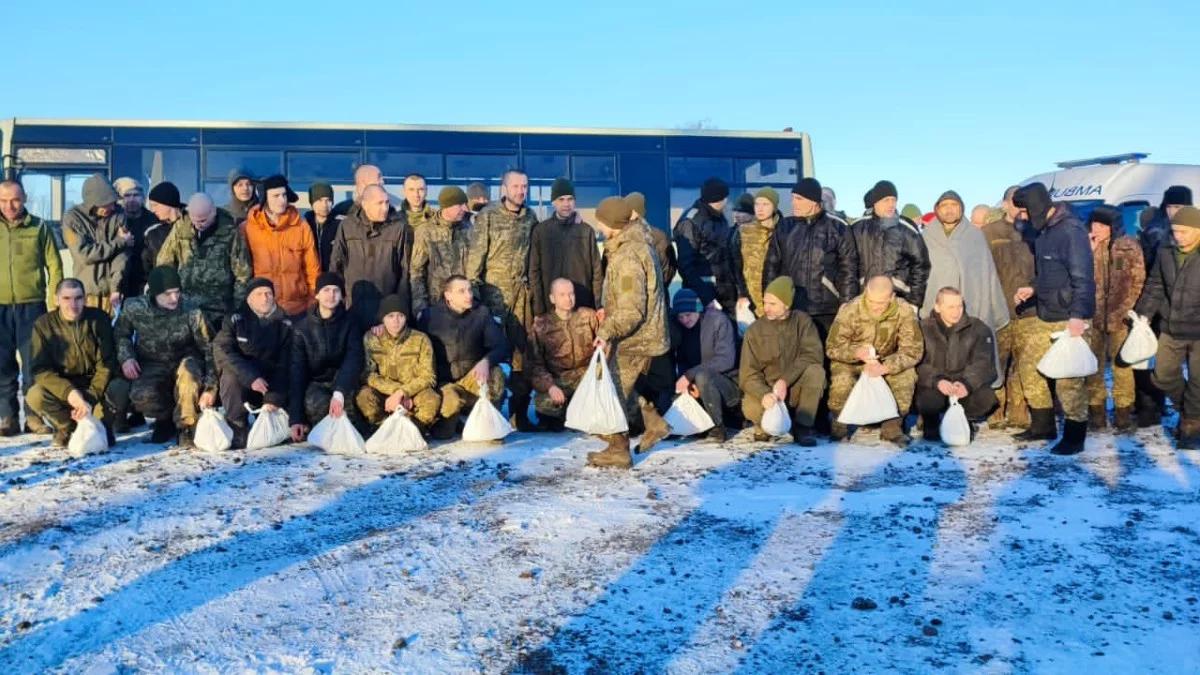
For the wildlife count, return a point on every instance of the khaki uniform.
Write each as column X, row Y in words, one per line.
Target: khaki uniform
column 400, row 363
column 1033, row 344
column 1120, row 275
column 896, row 336
column 559, row 353
column 755, row 237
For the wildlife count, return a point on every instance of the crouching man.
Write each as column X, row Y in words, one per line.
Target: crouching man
column 164, row 347
column 468, row 348
column 252, row 354
column 875, row 319
column 398, row 370
column 73, row 361
column 705, row 357
column 559, row 354
column 782, row 360
column 327, row 359
column 959, row 361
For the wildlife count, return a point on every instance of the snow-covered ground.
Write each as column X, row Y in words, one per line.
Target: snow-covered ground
column 747, row 557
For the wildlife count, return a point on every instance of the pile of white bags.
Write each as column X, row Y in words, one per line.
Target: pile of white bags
column 687, row 417
column 1141, row 345
column 212, row 432
column 88, row 438
column 485, row 423
column 396, row 436
column 955, row 429
column 596, row 408
column 1068, row 357
column 337, row 435
column 269, row 428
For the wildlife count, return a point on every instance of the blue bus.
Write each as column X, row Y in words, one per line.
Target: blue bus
column 54, row 157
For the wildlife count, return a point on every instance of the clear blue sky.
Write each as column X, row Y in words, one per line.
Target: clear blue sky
column 932, row 95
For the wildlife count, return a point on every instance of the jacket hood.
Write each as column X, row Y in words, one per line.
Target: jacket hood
column 97, row 192
column 1035, row 199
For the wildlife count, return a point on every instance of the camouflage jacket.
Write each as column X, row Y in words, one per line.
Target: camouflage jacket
column 439, row 252
column 419, row 218
column 561, row 348
column 753, row 238
column 635, row 303
column 498, row 258
column 400, row 363
column 214, row 266
column 153, row 335
column 1120, row 274
column 895, row 334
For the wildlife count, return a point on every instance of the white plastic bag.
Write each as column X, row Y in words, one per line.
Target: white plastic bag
column 744, row 316
column 485, row 423
column 955, row 430
column 687, row 417
column 1068, row 357
column 212, row 432
column 337, row 435
column 1148, row 364
column 1141, row 345
column 775, row 420
column 596, row 408
column 870, row 402
column 269, row 428
column 88, row 438
column 396, row 436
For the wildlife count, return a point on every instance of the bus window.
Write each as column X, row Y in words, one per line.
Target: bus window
column 262, row 163
column 400, row 164
column 73, row 189
column 546, row 167
column 1131, row 214
column 758, row 171
column 693, row 171
column 305, row 168
column 151, row 166
column 479, row 167
column 593, row 168
column 39, row 195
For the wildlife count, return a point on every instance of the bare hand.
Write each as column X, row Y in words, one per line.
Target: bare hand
column 394, row 401
column 945, row 387
column 557, row 395
column 863, row 353
column 269, row 407
column 682, row 384
column 875, row 369
column 480, row 371
column 259, row 385
column 769, row 401
column 600, row 315
column 743, row 303
column 780, row 390
column 600, row 343
column 715, row 305
column 79, row 405
column 208, row 399
column 131, row 369
column 1024, row 293
column 1076, row 327
column 299, row 432
column 959, row 390
column 377, row 330
column 337, row 406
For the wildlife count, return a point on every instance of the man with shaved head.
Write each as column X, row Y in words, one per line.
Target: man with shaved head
column 560, row 347
column 367, row 174
column 372, row 250
column 980, row 215
column 211, row 255
column 417, row 210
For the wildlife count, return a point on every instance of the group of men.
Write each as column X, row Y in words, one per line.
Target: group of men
column 361, row 309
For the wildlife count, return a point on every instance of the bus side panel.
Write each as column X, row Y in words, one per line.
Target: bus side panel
column 647, row 173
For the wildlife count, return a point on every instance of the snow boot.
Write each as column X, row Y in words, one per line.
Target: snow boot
column 615, row 455
column 34, row 424
column 656, row 428
column 9, row 427
column 837, row 430
column 803, row 436
column 186, row 438
column 109, row 435
column 443, row 429
column 931, row 427
column 1097, row 418
column 1123, row 420
column 717, row 434
column 1188, row 437
column 1071, row 443
column 240, row 434
column 164, row 431
column 892, row 431
column 1149, row 411
column 761, row 436
column 61, row 437
column 1041, row 426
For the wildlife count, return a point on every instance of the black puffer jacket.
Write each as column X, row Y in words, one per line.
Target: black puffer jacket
column 819, row 254
column 460, row 340
column 329, row 351
column 323, row 235
column 1065, row 284
column 708, row 260
column 1171, row 291
column 253, row 347
column 964, row 352
column 898, row 251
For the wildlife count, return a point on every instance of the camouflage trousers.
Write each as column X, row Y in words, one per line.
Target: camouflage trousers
column 1106, row 347
column 1033, row 344
column 803, row 399
column 1010, row 397
column 567, row 382
column 161, row 392
column 843, row 376
column 426, row 405
column 626, row 369
column 458, row 396
column 57, row 411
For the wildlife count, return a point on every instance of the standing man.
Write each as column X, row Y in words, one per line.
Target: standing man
column 498, row 267
column 138, row 220
column 440, row 250
column 241, row 194
column 30, row 268
column 660, row 239
column 890, row 244
column 960, row 258
column 327, row 360
column 212, row 257
column 477, row 198
column 165, row 204
column 560, row 350
column 754, row 238
column 1065, row 291
column 1172, row 288
column 282, row 247
column 100, row 243
column 782, row 360
column 564, row 247
column 417, row 211
column 705, row 242
column 321, row 221
column 702, row 339
column 365, row 175
column 959, row 361
column 372, row 251
column 165, row 351
column 634, row 329
column 73, row 361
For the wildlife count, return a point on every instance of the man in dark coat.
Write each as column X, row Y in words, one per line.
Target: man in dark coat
column 702, row 340
column 704, row 240
column 138, row 220
column 564, row 247
column 372, row 251
column 959, row 361
column 321, row 220
column 890, row 244
column 327, row 360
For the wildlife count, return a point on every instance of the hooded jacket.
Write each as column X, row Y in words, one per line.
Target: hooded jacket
column 236, row 208
column 1014, row 263
column 709, row 344
column 439, row 252
column 214, row 265
column 99, row 255
column 1066, row 283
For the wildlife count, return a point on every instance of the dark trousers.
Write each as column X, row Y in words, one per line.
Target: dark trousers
column 1172, row 354
column 717, row 393
column 234, row 398
column 824, row 322
column 978, row 404
column 16, row 329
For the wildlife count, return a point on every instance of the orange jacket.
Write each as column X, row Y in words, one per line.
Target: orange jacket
column 285, row 253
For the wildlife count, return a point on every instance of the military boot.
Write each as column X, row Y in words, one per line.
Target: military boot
column 1073, row 436
column 1041, row 426
column 892, row 431
column 656, row 428
column 1097, row 418
column 615, row 455
column 1123, row 420
column 1188, row 434
column 164, row 430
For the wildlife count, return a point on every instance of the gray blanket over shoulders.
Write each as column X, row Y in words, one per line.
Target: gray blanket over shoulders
column 964, row 260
